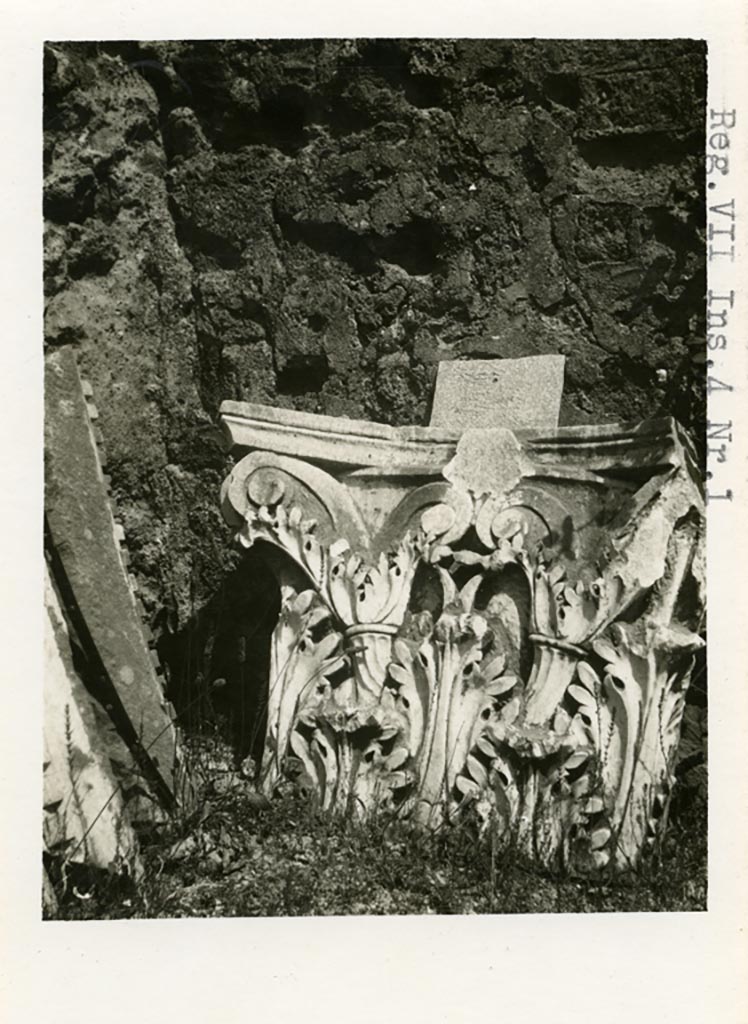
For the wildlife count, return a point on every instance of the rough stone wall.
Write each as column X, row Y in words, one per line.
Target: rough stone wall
column 317, row 224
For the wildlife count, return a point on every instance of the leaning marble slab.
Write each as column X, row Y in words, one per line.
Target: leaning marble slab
column 89, row 568
column 487, row 623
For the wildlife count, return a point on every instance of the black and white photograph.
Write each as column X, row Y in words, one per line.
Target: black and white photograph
column 374, row 477
column 374, row 445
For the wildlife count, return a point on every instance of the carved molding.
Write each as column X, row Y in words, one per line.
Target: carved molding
column 519, row 656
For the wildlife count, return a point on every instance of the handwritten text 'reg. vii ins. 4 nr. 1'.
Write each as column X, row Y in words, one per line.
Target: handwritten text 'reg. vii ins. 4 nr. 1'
column 721, row 235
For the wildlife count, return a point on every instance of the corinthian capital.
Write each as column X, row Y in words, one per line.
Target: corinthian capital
column 489, row 623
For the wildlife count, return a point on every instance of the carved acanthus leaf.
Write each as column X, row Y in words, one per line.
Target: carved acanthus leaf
column 342, row 749
column 299, row 668
column 447, row 688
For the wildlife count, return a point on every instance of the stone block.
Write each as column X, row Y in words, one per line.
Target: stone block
column 509, row 393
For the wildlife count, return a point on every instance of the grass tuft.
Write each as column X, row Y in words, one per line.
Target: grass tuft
column 239, row 856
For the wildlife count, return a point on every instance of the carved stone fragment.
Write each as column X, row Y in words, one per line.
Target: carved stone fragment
column 495, row 624
column 89, row 558
column 85, row 814
column 511, row 393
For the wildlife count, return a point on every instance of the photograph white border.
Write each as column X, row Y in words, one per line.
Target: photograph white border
column 689, row 968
